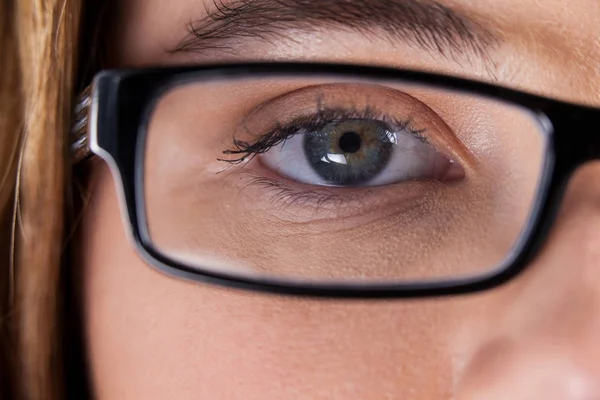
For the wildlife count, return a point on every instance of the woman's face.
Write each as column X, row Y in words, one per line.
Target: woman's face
column 155, row 337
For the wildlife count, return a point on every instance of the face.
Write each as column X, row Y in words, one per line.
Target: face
column 153, row 336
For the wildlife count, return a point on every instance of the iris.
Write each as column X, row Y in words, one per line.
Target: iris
column 349, row 152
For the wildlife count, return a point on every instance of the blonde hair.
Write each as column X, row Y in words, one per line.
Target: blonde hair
column 39, row 42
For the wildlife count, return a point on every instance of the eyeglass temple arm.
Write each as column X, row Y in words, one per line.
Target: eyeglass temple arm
column 79, row 144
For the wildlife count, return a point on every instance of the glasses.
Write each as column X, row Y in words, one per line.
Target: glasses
column 333, row 180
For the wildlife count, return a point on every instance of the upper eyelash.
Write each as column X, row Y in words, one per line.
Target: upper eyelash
column 312, row 123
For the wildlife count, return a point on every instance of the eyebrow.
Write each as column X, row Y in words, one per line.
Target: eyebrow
column 426, row 24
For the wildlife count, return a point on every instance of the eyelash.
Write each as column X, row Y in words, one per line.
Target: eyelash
column 314, row 123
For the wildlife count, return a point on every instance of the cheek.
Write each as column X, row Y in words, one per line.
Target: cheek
column 154, row 337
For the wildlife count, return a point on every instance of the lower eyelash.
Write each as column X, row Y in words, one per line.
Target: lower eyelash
column 323, row 203
column 283, row 195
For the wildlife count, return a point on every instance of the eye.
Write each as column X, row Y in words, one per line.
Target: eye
column 359, row 152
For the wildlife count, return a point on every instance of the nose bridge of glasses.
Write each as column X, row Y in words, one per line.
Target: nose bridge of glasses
column 576, row 136
column 590, row 127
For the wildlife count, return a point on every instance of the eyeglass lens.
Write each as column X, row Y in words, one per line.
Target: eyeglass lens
column 325, row 179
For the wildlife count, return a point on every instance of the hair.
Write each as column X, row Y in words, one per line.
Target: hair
column 40, row 75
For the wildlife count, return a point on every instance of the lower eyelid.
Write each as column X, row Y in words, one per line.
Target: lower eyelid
column 297, row 202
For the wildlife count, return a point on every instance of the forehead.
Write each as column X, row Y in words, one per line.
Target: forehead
column 550, row 46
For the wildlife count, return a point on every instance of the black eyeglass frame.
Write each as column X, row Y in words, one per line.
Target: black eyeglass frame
column 120, row 107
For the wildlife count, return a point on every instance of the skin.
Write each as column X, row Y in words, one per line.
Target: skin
column 156, row 337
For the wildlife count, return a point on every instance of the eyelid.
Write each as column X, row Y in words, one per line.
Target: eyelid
column 363, row 97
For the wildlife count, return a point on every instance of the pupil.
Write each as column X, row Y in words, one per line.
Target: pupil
column 350, row 142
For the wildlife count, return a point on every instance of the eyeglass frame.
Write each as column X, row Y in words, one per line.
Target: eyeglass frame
column 113, row 112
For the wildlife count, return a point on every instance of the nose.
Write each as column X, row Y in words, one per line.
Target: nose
column 539, row 336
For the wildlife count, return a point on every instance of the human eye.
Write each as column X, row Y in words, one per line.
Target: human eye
column 341, row 148
column 346, row 135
